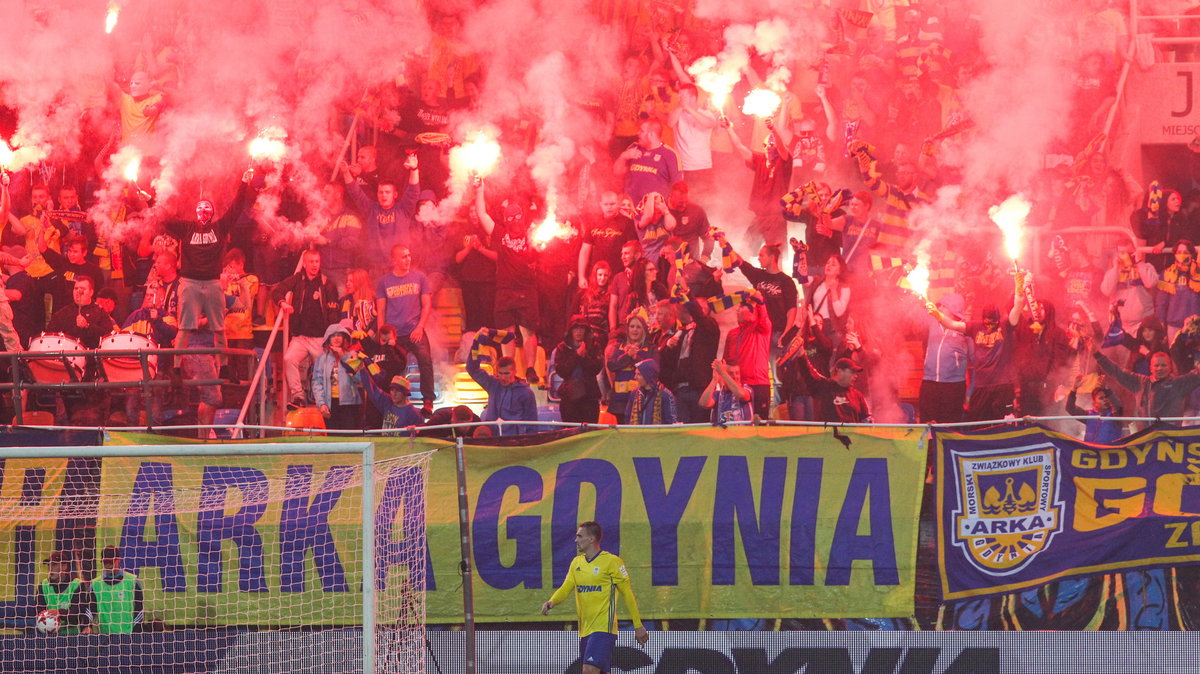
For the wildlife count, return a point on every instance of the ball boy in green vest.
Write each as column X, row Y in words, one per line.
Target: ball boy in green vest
column 69, row 596
column 118, row 596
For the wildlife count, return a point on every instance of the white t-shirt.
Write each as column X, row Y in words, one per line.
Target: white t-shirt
column 693, row 143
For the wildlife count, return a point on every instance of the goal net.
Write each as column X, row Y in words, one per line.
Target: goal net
column 227, row 558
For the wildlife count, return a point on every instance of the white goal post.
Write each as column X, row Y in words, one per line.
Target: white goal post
column 228, row 557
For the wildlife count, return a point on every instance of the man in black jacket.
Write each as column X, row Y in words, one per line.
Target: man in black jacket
column 835, row 395
column 84, row 320
column 693, row 348
column 313, row 307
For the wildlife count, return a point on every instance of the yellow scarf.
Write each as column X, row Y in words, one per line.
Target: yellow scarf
column 639, row 402
column 1174, row 277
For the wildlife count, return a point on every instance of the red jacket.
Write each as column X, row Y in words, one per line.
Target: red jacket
column 749, row 346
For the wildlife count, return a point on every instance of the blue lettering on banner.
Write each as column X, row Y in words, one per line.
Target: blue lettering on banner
column 154, row 491
column 213, row 527
column 303, row 526
column 23, row 556
column 664, row 509
column 571, row 477
column 759, row 527
column 526, row 530
column 802, row 558
column 403, row 493
column 868, row 484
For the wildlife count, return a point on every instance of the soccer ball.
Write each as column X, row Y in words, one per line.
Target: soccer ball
column 47, row 622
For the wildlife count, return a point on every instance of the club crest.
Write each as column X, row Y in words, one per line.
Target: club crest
column 1008, row 506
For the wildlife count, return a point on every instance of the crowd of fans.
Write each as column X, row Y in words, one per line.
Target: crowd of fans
column 627, row 301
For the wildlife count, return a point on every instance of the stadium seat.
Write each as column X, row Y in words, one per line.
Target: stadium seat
column 167, row 415
column 304, row 417
column 539, row 364
column 225, row 418
column 466, row 391
column 413, row 374
column 37, row 418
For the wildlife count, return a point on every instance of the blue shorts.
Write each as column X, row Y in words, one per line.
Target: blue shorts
column 596, row 649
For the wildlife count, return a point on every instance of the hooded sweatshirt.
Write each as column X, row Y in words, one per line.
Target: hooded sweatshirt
column 578, row 373
column 947, row 352
column 327, row 363
column 514, row 402
column 651, row 403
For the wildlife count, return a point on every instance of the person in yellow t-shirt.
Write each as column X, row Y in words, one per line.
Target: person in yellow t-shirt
column 139, row 109
column 596, row 577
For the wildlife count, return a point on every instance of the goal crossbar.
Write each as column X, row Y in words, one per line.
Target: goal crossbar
column 366, row 450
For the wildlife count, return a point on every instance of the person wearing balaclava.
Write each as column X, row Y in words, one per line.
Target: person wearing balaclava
column 517, row 307
column 993, row 390
column 651, row 403
column 201, row 253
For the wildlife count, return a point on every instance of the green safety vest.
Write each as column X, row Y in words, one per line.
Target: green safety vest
column 61, row 600
column 114, row 604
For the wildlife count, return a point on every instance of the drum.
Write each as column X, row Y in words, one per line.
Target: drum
column 56, row 370
column 126, row 368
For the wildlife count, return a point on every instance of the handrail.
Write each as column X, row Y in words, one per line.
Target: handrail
column 1118, row 230
column 262, row 367
column 408, row 430
column 1135, row 17
column 146, row 383
column 126, row 353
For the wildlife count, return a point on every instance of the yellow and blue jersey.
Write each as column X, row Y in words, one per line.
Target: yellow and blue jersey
column 596, row 582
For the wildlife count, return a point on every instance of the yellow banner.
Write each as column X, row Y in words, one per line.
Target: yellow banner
column 711, row 523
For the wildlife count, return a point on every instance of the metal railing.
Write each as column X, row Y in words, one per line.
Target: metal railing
column 1136, row 17
column 414, row 431
column 148, row 382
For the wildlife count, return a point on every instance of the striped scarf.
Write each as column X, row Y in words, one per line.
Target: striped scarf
column 358, row 360
column 721, row 303
column 1128, row 277
column 681, row 259
column 729, row 259
column 490, row 337
column 639, row 405
column 1173, row 277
